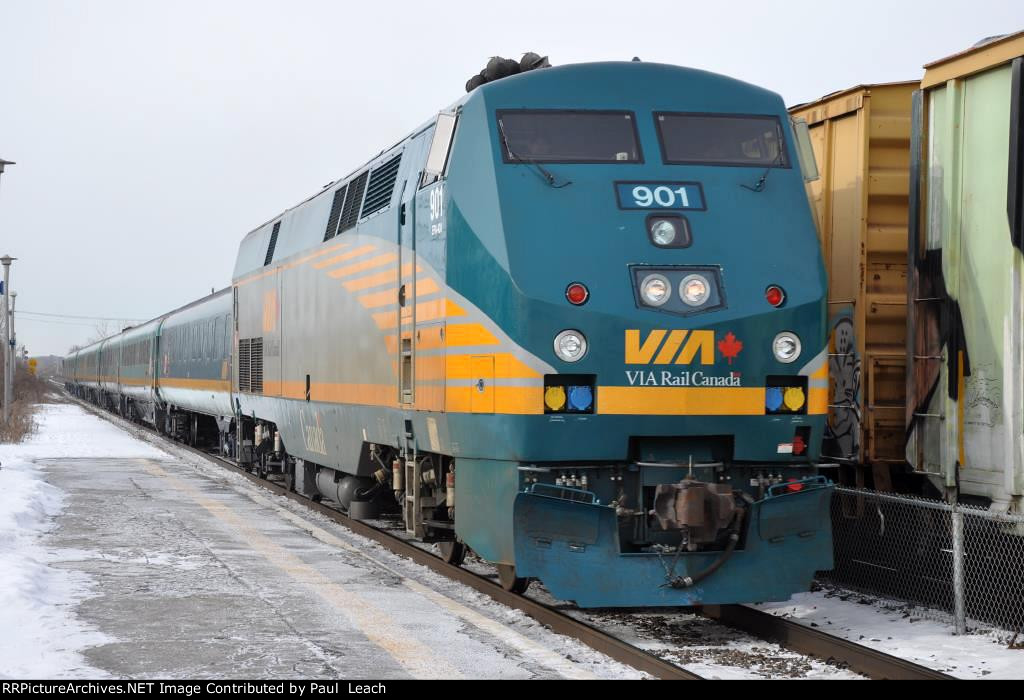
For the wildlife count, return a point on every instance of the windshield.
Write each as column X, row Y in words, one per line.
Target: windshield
column 568, row 136
column 712, row 139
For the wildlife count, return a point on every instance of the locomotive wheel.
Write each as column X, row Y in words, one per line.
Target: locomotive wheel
column 452, row 552
column 509, row 581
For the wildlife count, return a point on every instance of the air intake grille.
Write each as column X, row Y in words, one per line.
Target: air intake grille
column 272, row 244
column 256, row 365
column 332, row 222
column 243, row 365
column 382, row 184
column 350, row 214
column 250, row 365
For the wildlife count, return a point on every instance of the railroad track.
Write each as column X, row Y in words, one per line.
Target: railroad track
column 788, row 634
column 807, row 640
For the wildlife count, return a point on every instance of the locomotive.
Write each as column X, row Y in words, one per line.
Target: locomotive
column 575, row 323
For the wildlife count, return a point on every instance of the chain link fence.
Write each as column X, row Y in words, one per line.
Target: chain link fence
column 961, row 561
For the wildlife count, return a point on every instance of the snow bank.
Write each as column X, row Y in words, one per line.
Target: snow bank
column 897, row 628
column 65, row 430
column 39, row 635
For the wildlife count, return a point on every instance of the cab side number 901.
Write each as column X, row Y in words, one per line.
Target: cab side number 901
column 659, row 195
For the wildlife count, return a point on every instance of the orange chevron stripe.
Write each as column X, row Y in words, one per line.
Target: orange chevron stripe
column 378, row 261
column 378, row 278
column 390, row 296
column 295, row 263
column 361, row 250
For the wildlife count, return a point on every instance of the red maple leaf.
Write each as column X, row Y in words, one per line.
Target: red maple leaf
column 730, row 347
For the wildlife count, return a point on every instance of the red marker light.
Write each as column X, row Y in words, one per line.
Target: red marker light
column 775, row 296
column 799, row 446
column 577, row 294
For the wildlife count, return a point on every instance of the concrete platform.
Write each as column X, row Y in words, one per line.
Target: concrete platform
column 198, row 574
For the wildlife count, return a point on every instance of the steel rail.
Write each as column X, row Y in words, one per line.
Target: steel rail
column 813, row 642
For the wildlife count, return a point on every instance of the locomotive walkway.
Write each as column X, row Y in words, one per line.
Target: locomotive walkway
column 194, row 573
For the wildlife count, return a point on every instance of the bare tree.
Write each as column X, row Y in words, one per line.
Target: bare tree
column 101, row 330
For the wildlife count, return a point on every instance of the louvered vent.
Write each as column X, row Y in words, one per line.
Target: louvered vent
column 350, row 214
column 332, row 222
column 382, row 184
column 272, row 244
column 243, row 365
column 256, row 365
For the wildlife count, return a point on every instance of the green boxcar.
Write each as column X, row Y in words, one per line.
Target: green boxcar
column 964, row 413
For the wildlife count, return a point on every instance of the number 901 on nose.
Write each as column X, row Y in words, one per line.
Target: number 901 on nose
column 660, row 195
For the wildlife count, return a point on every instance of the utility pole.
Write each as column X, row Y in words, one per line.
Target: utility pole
column 14, row 341
column 6, row 260
column 8, row 355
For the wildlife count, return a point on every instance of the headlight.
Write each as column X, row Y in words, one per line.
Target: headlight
column 571, row 346
column 695, row 290
column 655, row 290
column 786, row 347
column 663, row 232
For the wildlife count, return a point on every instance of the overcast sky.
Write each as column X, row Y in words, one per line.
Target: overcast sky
column 151, row 136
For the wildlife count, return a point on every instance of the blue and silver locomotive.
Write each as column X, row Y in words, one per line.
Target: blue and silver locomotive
column 575, row 323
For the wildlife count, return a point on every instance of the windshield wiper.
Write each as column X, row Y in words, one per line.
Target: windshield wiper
column 762, row 181
column 542, row 172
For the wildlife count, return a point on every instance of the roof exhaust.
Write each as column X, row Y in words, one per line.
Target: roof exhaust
column 498, row 68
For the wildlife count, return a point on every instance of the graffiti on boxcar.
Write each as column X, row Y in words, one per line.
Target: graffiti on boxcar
column 842, row 432
column 983, row 398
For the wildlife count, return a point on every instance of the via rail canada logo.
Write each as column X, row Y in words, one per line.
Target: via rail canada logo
column 313, row 435
column 680, row 347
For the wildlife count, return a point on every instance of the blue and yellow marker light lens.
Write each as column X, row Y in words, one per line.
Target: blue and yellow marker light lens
column 785, row 395
column 795, row 398
column 581, row 398
column 554, row 398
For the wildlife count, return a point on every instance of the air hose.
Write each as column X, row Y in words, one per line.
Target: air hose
column 690, row 581
column 368, row 493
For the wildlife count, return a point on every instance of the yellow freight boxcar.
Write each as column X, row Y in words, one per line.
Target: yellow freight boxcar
column 861, row 140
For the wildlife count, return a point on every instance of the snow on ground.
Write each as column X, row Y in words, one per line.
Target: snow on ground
column 898, row 629
column 65, row 430
column 39, row 635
